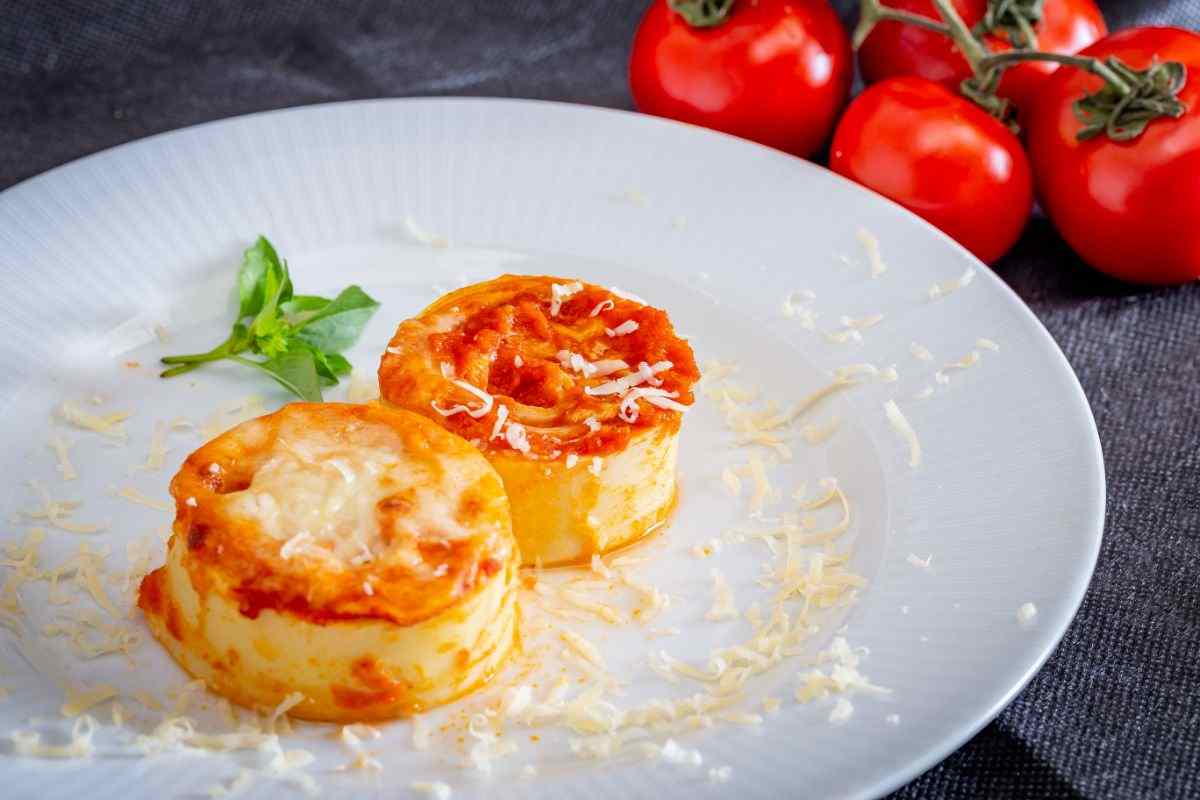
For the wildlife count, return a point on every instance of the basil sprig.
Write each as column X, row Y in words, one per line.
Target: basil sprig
column 298, row 338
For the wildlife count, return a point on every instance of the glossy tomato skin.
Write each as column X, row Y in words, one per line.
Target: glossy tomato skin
column 1067, row 26
column 775, row 71
column 941, row 157
column 1127, row 208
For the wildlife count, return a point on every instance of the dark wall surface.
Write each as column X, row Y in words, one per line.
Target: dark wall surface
column 1115, row 713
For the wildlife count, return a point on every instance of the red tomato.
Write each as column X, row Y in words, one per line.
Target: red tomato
column 895, row 48
column 1128, row 208
column 775, row 71
column 940, row 156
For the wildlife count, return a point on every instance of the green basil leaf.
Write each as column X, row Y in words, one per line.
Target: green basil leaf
column 277, row 289
column 295, row 371
column 338, row 365
column 256, row 261
column 302, row 307
column 330, row 366
column 337, row 325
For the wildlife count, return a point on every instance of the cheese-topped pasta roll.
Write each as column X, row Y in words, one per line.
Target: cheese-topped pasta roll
column 357, row 554
column 574, row 392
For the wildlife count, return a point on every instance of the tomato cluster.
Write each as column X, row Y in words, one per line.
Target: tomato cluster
column 1114, row 157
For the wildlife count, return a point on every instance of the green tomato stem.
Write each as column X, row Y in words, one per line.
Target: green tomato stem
column 971, row 48
column 1085, row 63
column 873, row 12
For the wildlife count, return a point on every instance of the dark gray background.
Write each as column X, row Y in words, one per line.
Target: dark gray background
column 1116, row 711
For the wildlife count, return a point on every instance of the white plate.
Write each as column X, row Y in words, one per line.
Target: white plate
column 1009, row 499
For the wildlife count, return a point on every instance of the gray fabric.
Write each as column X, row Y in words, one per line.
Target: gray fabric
column 1114, row 714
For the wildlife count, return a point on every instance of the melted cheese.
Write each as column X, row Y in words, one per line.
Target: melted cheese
column 321, row 499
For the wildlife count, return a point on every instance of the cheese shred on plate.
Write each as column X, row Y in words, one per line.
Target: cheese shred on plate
column 902, row 427
column 110, row 425
column 62, row 454
column 954, row 284
column 723, row 606
column 870, row 246
column 29, row 743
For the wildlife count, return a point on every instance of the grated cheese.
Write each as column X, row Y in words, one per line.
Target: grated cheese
column 966, row 362
column 720, row 774
column 82, row 698
column 58, row 512
column 603, row 305
column 501, row 416
column 920, row 352
column 918, row 562
column 902, row 427
column 673, row 753
column 861, row 323
column 795, row 307
column 475, row 413
column 560, row 292
column 1026, row 613
column 870, row 246
column 517, row 438
column 109, row 425
column 624, row 329
column 762, row 493
column 628, row 410
column 29, row 743
column 723, row 606
column 987, row 344
column 583, row 648
column 815, row 434
column 843, row 336
column 62, row 455
column 134, row 496
column 952, row 285
column 597, row 466
column 843, row 709
column 157, row 453
column 352, row 736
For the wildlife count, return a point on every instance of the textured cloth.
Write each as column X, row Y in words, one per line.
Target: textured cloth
column 1115, row 713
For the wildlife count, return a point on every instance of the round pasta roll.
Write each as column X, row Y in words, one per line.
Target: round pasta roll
column 359, row 555
column 574, row 393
